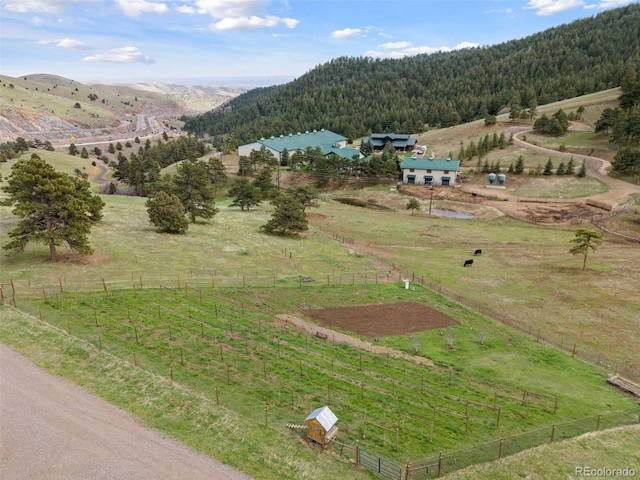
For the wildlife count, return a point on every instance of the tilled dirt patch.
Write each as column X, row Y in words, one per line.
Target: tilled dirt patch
column 382, row 320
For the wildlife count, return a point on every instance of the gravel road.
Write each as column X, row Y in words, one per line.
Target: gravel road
column 54, row 430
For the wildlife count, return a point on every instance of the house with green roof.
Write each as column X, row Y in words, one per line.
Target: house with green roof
column 327, row 141
column 400, row 141
column 430, row 171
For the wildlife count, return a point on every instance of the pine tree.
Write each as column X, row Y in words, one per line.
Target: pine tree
column 548, row 168
column 561, row 169
column 167, row 213
column 502, row 142
column 519, row 169
column 570, row 170
column 583, row 170
column 192, row 185
column 54, row 208
column 413, row 204
column 288, row 216
column 244, row 194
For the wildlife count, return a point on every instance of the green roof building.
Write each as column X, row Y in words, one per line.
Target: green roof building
column 324, row 139
column 400, row 141
column 430, row 171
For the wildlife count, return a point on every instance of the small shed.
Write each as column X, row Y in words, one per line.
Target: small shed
column 321, row 425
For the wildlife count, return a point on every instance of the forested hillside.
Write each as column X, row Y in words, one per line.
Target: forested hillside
column 357, row 96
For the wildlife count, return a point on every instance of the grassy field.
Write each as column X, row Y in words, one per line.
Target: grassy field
column 612, row 450
column 167, row 294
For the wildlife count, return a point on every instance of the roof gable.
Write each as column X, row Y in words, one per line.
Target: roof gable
column 324, row 416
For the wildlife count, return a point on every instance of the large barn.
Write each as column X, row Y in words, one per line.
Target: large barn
column 327, row 141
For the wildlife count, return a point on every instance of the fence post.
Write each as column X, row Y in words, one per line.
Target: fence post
column 357, row 453
column 439, row 464
column 406, row 470
column 598, row 422
column 553, row 433
column 500, row 449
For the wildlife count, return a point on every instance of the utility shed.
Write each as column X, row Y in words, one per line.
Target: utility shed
column 321, row 425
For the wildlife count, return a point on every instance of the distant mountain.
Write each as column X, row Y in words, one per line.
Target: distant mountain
column 358, row 96
column 49, row 107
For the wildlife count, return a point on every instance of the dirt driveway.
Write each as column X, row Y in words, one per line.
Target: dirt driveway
column 51, row 429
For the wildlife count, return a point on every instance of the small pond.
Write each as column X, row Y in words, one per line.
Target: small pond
column 450, row 214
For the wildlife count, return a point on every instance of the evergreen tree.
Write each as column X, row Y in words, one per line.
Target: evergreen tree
column 192, row 185
column 519, row 168
column 264, row 184
column 111, row 149
column 73, row 150
column 284, row 158
column 502, row 142
column 561, row 169
column 244, row 194
column 548, row 168
column 583, row 170
column 570, row 170
column 305, row 194
column 461, row 153
column 54, row 208
column 288, row 217
column 585, row 240
column 413, row 204
column 511, row 168
column 84, row 153
column 166, row 212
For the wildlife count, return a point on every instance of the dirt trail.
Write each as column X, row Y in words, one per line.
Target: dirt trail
column 54, row 430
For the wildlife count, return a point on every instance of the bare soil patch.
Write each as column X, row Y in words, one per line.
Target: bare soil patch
column 383, row 320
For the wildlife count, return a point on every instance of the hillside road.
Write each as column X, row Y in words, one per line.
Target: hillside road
column 51, row 429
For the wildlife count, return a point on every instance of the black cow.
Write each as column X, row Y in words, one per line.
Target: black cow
column 468, row 263
column 478, row 252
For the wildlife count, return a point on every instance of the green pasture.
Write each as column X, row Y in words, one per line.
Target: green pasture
column 576, row 140
column 228, row 339
column 525, row 273
column 554, row 186
column 611, row 449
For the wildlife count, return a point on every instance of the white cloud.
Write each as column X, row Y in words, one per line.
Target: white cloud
column 71, row 43
column 249, row 23
column 549, row 7
column 392, row 45
column 405, row 49
column 37, row 21
column 231, row 8
column 346, row 32
column 290, row 22
column 609, row 4
column 186, row 9
column 120, row 55
column 133, row 8
column 41, row 6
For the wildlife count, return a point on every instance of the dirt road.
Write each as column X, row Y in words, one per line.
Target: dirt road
column 51, row 429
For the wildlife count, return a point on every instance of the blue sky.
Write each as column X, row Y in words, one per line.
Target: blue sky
column 189, row 40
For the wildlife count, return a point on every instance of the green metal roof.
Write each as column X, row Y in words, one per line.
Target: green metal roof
column 397, row 139
column 300, row 141
column 439, row 164
column 346, row 152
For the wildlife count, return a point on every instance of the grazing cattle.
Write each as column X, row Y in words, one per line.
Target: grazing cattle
column 478, row 252
column 468, row 263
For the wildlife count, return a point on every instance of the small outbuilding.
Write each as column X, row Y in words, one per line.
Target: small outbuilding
column 321, row 425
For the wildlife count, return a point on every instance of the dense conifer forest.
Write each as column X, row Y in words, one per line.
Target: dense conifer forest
column 357, row 96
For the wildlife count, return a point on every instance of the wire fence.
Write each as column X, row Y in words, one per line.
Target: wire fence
column 443, row 464
column 11, row 290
